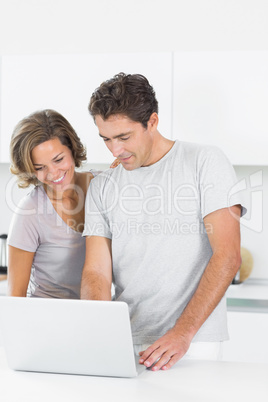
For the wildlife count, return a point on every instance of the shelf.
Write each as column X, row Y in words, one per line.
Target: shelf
column 253, row 289
column 247, row 305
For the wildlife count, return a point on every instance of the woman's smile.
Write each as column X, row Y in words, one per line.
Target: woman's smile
column 60, row 180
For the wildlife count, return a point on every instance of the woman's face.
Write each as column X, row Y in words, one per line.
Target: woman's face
column 54, row 164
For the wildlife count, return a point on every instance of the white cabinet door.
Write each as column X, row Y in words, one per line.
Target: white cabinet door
column 221, row 98
column 248, row 337
column 66, row 82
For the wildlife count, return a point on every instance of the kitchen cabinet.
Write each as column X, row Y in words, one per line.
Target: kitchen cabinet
column 248, row 337
column 66, row 82
column 221, row 98
column 218, row 98
column 247, row 305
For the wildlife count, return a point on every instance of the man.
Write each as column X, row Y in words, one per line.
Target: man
column 161, row 227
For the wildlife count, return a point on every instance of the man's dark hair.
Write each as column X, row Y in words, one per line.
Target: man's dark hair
column 130, row 95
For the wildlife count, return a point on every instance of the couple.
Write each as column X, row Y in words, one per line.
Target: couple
column 161, row 225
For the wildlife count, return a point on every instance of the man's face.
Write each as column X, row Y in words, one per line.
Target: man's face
column 129, row 141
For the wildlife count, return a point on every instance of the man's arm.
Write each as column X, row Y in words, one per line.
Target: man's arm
column 97, row 272
column 225, row 243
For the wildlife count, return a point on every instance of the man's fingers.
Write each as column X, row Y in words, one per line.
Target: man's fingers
column 166, row 361
column 148, row 356
column 163, row 360
column 171, row 362
column 164, row 353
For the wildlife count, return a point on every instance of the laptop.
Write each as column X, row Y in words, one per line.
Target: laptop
column 68, row 336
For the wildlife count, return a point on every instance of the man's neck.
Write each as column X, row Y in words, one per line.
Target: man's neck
column 161, row 146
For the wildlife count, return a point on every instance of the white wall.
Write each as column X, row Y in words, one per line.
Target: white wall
column 83, row 26
column 78, row 26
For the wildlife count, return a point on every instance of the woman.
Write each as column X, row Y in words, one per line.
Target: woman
column 46, row 249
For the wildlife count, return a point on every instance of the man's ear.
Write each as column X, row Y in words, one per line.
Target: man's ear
column 153, row 122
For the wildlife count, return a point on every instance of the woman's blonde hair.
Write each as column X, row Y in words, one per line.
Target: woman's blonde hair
column 35, row 129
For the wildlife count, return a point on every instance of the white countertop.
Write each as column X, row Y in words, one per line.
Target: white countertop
column 188, row 380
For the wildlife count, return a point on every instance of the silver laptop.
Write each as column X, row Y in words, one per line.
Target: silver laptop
column 68, row 336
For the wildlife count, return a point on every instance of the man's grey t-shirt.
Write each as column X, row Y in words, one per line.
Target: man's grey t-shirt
column 160, row 248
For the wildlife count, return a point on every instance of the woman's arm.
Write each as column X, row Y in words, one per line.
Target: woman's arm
column 19, row 271
column 97, row 272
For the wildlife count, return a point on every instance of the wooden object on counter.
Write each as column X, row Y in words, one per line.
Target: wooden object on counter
column 247, row 264
column 3, row 277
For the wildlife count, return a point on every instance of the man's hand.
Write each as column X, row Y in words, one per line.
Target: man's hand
column 166, row 351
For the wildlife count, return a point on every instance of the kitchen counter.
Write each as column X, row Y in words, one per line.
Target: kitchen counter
column 188, row 380
column 249, row 296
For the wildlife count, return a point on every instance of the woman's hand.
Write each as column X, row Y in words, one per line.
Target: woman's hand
column 115, row 164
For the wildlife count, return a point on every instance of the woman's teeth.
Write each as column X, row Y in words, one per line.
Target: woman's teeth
column 56, row 181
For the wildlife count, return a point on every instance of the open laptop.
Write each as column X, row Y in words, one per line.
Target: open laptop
column 68, row 336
